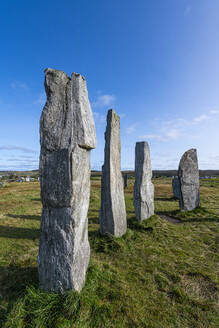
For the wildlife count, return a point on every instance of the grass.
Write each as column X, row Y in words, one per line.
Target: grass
column 159, row 275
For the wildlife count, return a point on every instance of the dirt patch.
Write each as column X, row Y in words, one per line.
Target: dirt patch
column 170, row 219
column 200, row 287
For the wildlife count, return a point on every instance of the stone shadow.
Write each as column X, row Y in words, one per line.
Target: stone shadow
column 36, row 199
column 13, row 283
column 26, row 217
column 170, row 199
column 93, row 220
column 19, row 233
column 192, row 220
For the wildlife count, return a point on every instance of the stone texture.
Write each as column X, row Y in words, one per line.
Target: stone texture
column 175, row 187
column 67, row 133
column 143, row 188
column 112, row 212
column 188, row 174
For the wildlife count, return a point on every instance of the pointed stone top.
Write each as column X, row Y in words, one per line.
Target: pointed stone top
column 190, row 155
column 67, row 116
column 112, row 115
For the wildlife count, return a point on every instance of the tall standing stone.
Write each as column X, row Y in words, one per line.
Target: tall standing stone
column 188, row 174
column 112, row 211
column 67, row 133
column 176, row 187
column 143, row 188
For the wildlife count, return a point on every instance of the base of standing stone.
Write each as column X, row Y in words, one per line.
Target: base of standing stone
column 144, row 207
column 63, row 261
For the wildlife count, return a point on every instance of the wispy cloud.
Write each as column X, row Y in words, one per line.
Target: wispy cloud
column 181, row 122
column 99, row 118
column 40, row 100
column 19, row 85
column 165, row 136
column 214, row 111
column 23, row 149
column 200, row 118
column 132, row 128
column 104, row 100
column 151, row 136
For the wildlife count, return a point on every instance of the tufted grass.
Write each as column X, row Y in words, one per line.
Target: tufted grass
column 159, row 275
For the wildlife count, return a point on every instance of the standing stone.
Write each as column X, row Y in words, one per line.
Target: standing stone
column 125, row 179
column 188, row 174
column 112, row 211
column 67, row 133
column 175, row 187
column 143, row 187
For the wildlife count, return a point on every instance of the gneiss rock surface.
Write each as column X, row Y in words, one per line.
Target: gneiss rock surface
column 143, row 188
column 188, row 174
column 175, row 187
column 112, row 212
column 67, row 133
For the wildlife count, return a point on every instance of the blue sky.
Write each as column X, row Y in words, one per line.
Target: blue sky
column 155, row 62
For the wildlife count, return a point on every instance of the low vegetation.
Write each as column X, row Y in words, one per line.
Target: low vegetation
column 162, row 274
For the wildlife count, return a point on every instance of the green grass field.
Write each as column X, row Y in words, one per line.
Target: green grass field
column 161, row 274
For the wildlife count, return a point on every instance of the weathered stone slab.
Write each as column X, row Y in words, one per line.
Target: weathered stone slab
column 112, row 212
column 176, row 187
column 188, row 174
column 67, row 134
column 143, row 188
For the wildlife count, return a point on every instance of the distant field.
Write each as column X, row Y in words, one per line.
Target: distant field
column 161, row 274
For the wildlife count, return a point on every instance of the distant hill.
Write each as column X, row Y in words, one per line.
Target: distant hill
column 156, row 173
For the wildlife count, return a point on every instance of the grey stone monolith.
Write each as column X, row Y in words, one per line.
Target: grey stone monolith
column 67, row 134
column 112, row 212
column 143, row 197
column 188, row 174
column 175, row 187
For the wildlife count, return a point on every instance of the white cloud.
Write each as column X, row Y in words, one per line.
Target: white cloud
column 173, row 134
column 19, row 85
column 104, row 101
column 200, row 118
column 166, row 135
column 41, row 99
column 182, row 123
column 214, row 112
column 132, row 128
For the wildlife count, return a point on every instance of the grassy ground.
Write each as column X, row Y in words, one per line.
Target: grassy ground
column 159, row 275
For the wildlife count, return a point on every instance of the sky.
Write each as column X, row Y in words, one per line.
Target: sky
column 155, row 62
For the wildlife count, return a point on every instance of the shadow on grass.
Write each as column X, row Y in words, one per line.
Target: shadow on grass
column 36, row 199
column 137, row 225
column 13, row 283
column 93, row 220
column 173, row 214
column 19, row 233
column 192, row 220
column 26, row 217
column 166, row 199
